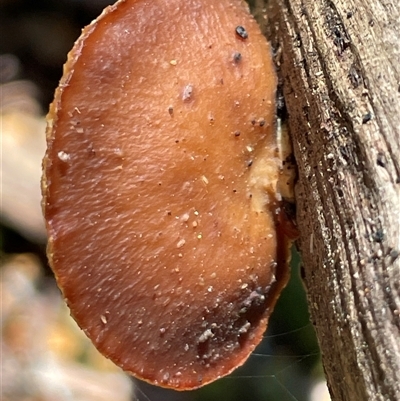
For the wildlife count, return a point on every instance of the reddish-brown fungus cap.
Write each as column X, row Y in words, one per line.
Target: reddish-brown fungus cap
column 160, row 187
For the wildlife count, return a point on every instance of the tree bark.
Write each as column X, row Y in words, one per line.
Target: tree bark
column 339, row 68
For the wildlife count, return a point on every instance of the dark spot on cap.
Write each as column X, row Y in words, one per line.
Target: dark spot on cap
column 241, row 31
column 237, row 57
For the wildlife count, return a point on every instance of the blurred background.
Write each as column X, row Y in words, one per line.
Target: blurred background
column 44, row 356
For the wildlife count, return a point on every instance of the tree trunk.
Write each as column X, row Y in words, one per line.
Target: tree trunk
column 339, row 66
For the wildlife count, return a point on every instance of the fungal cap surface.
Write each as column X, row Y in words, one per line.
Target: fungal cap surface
column 159, row 188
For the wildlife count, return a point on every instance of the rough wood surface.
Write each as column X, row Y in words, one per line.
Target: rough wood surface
column 339, row 64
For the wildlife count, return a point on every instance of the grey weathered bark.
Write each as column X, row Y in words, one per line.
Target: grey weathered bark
column 339, row 65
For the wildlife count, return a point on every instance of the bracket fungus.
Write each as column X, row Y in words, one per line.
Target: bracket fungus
column 160, row 188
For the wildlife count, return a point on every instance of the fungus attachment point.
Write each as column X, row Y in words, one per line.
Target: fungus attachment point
column 161, row 224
